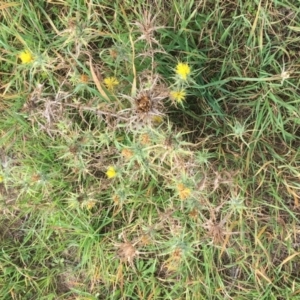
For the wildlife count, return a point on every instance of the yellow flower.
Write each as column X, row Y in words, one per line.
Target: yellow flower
column 183, row 191
column 88, row 204
column 183, row 70
column 110, row 83
column 111, row 172
column 26, row 57
column 1, row 178
column 178, row 96
column 157, row 119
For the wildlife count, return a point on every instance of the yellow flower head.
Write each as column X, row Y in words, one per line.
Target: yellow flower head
column 111, row 172
column 183, row 70
column 157, row 119
column 110, row 83
column 88, row 204
column 178, row 96
column 26, row 57
column 183, row 191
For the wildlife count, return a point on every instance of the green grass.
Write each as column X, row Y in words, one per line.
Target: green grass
column 204, row 203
